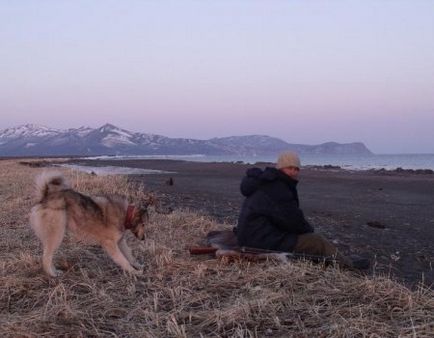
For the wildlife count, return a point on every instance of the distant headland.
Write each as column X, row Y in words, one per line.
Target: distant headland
column 35, row 140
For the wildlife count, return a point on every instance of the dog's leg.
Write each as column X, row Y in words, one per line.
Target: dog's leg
column 118, row 257
column 50, row 228
column 49, row 248
column 126, row 250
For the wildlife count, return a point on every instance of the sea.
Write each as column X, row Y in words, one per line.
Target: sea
column 350, row 162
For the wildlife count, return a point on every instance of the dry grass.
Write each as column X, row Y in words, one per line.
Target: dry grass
column 180, row 296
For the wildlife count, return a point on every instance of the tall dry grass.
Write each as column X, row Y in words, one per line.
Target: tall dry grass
column 178, row 295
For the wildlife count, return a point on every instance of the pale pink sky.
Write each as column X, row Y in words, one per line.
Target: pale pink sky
column 304, row 71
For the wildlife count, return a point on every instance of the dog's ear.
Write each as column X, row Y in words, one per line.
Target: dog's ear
column 148, row 201
column 143, row 213
column 152, row 202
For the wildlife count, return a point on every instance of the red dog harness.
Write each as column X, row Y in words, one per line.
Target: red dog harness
column 129, row 217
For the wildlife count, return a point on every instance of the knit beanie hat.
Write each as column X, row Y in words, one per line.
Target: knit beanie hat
column 288, row 159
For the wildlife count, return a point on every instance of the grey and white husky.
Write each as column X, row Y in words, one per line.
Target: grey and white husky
column 102, row 219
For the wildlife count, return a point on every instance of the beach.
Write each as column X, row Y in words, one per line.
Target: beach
column 177, row 294
column 385, row 216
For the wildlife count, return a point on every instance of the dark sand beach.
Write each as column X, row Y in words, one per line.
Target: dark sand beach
column 339, row 203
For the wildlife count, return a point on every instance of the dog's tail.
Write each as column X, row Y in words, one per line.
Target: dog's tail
column 48, row 182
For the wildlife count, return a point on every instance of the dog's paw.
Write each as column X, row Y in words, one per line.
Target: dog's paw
column 134, row 272
column 138, row 266
column 55, row 273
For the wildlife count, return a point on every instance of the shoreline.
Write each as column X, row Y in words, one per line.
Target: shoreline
column 326, row 167
column 343, row 162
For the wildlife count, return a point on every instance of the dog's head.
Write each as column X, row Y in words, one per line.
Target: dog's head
column 140, row 217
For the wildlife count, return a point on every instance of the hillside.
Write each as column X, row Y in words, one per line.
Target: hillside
column 34, row 140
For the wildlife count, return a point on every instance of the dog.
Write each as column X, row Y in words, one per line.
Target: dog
column 102, row 219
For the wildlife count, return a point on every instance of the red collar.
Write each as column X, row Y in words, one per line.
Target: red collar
column 129, row 217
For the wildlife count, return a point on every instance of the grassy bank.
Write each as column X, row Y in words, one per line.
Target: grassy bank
column 178, row 295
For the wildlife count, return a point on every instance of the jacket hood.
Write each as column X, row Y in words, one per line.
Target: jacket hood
column 255, row 177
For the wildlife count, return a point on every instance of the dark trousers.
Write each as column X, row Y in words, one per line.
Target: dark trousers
column 314, row 244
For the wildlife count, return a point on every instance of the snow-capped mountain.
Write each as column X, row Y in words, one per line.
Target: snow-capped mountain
column 35, row 140
column 28, row 131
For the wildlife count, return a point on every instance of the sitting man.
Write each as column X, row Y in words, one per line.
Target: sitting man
column 271, row 218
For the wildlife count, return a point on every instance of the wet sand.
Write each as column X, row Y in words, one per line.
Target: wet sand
column 339, row 203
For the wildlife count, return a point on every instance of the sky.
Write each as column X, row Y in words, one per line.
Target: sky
column 304, row 71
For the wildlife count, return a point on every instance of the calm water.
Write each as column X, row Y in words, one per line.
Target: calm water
column 389, row 162
column 110, row 170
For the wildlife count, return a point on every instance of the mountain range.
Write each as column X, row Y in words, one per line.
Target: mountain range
column 35, row 140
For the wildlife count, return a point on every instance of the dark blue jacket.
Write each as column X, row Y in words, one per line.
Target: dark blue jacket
column 270, row 217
